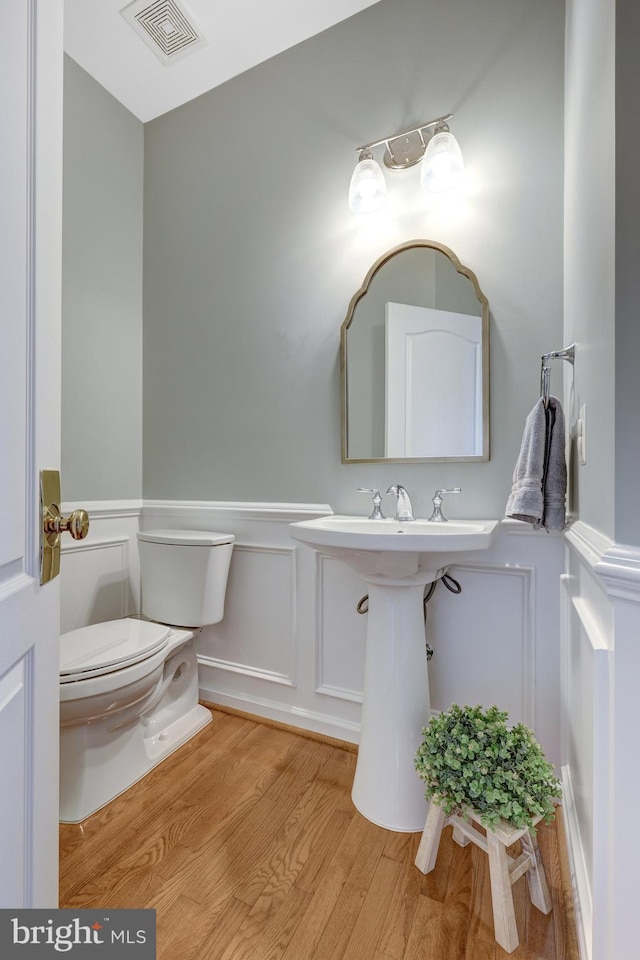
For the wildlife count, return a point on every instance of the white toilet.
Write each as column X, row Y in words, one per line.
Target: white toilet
column 129, row 688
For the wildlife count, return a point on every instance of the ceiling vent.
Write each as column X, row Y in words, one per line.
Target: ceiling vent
column 166, row 26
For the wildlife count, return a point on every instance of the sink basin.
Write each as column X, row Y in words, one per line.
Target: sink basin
column 396, row 559
column 422, row 535
column 393, row 549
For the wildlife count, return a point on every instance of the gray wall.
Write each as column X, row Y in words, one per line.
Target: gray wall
column 627, row 255
column 251, row 253
column 590, row 252
column 602, row 283
column 101, row 294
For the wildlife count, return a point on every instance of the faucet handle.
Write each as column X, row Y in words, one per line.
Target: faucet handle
column 437, row 516
column 376, row 513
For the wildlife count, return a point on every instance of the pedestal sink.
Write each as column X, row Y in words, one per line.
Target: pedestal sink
column 396, row 560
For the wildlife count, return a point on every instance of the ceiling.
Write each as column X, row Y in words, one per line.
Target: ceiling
column 239, row 34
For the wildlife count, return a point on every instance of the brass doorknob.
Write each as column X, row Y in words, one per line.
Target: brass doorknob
column 77, row 523
column 53, row 524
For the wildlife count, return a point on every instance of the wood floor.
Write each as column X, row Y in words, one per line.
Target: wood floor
column 248, row 846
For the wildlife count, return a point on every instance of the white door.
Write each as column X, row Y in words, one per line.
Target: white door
column 433, row 388
column 30, row 265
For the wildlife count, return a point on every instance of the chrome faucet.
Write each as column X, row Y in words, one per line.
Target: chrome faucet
column 404, row 510
column 436, row 516
column 376, row 513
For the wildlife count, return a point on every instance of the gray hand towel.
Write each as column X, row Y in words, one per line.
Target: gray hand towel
column 525, row 500
column 540, row 475
column 554, row 482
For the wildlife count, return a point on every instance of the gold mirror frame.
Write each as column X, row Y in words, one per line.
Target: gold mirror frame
column 484, row 303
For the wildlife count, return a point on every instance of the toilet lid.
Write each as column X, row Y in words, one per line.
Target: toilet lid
column 104, row 647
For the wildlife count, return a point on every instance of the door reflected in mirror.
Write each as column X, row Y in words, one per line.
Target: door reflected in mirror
column 415, row 360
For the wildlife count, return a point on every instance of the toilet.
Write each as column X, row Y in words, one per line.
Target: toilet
column 129, row 687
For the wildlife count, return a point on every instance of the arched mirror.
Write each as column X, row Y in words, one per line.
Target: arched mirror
column 414, row 355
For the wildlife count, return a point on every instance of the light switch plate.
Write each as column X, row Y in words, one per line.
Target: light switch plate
column 581, row 435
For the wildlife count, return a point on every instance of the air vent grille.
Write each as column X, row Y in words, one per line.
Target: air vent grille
column 166, row 27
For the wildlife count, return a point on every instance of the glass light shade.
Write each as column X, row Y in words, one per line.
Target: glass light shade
column 367, row 190
column 442, row 164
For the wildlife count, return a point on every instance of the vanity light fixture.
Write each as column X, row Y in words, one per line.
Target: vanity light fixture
column 442, row 163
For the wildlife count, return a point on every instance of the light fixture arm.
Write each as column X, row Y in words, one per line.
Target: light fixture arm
column 405, row 133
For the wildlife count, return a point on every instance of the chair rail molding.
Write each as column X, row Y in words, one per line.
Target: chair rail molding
column 619, row 569
column 283, row 512
column 105, row 509
column 617, row 565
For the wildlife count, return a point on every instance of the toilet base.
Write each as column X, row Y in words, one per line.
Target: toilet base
column 96, row 769
column 103, row 753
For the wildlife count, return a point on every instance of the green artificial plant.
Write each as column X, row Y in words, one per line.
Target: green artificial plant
column 470, row 759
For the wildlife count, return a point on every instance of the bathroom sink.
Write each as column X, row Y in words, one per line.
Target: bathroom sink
column 391, row 548
column 396, row 559
column 366, row 534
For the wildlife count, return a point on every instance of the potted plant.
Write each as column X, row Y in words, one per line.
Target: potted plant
column 472, row 761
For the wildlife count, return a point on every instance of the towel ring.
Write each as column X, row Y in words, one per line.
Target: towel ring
column 569, row 354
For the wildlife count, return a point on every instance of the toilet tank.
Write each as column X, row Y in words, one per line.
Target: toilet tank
column 184, row 575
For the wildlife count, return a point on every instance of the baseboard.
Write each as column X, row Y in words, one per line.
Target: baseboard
column 290, row 716
column 571, row 945
column 578, row 870
column 279, row 725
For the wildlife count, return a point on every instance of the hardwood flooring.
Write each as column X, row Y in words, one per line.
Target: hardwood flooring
column 247, row 845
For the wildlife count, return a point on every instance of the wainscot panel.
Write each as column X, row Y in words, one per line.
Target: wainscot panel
column 340, row 631
column 484, row 640
column 257, row 634
column 100, row 576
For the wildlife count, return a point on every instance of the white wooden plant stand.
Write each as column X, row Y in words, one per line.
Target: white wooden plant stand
column 503, row 869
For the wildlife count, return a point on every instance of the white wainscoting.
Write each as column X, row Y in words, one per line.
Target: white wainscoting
column 291, row 646
column 532, row 631
column 600, row 637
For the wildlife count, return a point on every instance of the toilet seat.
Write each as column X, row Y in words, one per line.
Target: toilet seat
column 104, row 648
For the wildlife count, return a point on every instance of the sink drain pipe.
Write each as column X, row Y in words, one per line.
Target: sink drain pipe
column 449, row 582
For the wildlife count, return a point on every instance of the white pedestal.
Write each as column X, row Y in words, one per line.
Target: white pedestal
column 395, row 709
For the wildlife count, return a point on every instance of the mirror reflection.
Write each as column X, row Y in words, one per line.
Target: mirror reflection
column 415, row 360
